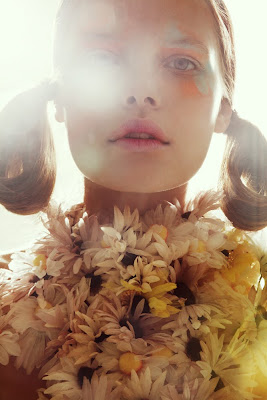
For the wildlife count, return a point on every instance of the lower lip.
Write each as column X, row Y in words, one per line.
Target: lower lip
column 139, row 145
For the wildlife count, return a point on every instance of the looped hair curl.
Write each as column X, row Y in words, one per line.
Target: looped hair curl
column 244, row 175
column 27, row 155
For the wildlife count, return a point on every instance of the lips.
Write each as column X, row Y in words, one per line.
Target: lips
column 139, row 126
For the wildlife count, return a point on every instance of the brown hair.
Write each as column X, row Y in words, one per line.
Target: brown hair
column 244, row 167
column 27, row 164
column 27, row 156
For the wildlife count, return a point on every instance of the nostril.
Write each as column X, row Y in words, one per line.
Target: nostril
column 147, row 100
column 131, row 100
column 150, row 101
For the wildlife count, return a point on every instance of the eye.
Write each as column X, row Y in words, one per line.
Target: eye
column 181, row 64
column 101, row 57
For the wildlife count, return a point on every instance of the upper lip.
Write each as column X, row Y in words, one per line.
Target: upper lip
column 139, row 126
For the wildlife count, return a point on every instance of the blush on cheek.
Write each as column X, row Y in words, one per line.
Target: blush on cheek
column 195, row 86
column 189, row 88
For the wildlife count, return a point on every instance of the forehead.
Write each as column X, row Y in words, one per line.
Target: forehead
column 163, row 19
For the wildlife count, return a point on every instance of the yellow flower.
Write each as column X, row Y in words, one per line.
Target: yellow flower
column 164, row 352
column 201, row 248
column 161, row 307
column 128, row 362
column 160, row 230
column 244, row 266
column 161, row 289
column 40, row 261
column 260, row 389
column 129, row 286
column 105, row 245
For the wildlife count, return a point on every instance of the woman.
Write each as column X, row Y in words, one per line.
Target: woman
column 158, row 304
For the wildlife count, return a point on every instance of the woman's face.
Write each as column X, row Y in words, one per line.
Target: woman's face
column 142, row 67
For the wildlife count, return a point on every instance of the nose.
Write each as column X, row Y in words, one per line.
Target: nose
column 143, row 96
column 142, row 102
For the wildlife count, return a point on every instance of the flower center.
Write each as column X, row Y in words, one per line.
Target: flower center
column 84, row 372
column 183, row 291
column 193, row 349
column 101, row 338
column 128, row 259
column 135, row 324
column 96, row 282
column 129, row 361
column 220, row 384
column 136, row 300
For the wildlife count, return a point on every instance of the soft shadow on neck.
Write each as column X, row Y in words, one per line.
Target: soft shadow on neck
column 98, row 199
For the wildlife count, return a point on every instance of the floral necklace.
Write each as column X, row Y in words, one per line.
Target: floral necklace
column 170, row 305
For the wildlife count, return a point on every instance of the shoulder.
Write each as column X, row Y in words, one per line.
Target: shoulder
column 13, row 381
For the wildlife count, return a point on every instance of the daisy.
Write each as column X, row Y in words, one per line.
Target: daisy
column 198, row 317
column 67, row 379
column 228, row 364
column 142, row 387
column 24, row 315
column 142, row 276
column 100, row 389
column 18, row 279
column 234, row 305
column 203, row 203
column 118, row 360
column 257, row 347
column 198, row 389
column 41, row 395
column 115, row 321
column 8, row 342
column 32, row 344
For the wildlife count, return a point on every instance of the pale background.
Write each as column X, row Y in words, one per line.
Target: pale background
column 25, row 59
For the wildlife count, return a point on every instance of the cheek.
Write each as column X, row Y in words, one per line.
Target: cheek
column 83, row 144
column 195, row 87
column 189, row 89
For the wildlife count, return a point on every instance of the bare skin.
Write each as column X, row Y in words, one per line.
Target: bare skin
column 98, row 198
column 16, row 384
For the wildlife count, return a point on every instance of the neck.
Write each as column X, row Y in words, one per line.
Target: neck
column 98, row 198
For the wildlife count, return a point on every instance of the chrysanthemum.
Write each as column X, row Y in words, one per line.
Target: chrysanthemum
column 64, row 381
column 142, row 275
column 195, row 390
column 227, row 363
column 32, row 344
column 116, row 324
column 41, row 395
column 118, row 360
column 197, row 317
column 121, row 323
column 142, row 387
column 24, row 315
column 8, row 342
column 100, row 389
column 235, row 306
column 18, row 279
column 257, row 348
column 135, row 309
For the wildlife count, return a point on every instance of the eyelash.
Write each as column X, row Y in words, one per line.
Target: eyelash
column 102, row 54
column 196, row 66
column 111, row 56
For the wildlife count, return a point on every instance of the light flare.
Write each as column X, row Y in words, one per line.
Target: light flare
column 95, row 88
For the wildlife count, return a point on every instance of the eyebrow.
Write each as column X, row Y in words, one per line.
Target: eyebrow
column 188, row 41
